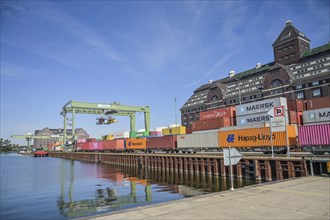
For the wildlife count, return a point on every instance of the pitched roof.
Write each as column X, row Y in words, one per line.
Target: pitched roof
column 289, row 33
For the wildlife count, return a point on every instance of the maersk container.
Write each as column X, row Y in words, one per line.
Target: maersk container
column 259, row 118
column 262, row 106
column 217, row 113
column 118, row 144
column 258, row 137
column 136, row 144
column 316, row 116
column 164, row 142
column 199, row 140
column 174, row 130
column 122, row 134
column 314, row 135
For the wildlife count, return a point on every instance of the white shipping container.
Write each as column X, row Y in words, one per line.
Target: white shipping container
column 259, row 118
column 200, row 140
column 260, row 106
column 123, row 134
column 316, row 116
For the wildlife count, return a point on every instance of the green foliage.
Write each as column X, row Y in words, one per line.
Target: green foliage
column 5, row 145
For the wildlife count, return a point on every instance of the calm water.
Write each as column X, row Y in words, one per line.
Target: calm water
column 52, row 188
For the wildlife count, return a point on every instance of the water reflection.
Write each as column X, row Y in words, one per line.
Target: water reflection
column 125, row 187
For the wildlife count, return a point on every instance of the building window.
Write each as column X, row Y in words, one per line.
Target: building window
column 299, row 87
column 215, row 98
column 276, row 83
column 300, row 95
column 316, row 92
column 315, row 83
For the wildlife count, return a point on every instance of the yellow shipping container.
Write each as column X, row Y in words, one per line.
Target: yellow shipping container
column 257, row 137
column 136, row 144
column 174, row 130
column 108, row 137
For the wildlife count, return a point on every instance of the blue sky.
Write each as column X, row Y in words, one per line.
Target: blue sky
column 133, row 52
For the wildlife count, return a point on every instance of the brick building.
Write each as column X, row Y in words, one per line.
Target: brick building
column 54, row 134
column 297, row 73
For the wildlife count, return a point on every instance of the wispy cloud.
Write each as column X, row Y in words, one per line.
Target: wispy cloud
column 9, row 69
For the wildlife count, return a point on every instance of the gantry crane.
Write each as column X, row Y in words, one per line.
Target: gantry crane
column 75, row 107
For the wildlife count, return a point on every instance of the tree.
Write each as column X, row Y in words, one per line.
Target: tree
column 5, row 145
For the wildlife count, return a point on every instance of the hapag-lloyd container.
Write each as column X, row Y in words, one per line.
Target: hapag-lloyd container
column 217, row 113
column 316, row 116
column 136, row 144
column 262, row 106
column 256, row 119
column 257, row 137
column 164, row 142
column 198, row 140
column 311, row 135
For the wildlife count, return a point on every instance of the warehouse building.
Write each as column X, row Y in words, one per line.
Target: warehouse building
column 54, row 135
column 298, row 73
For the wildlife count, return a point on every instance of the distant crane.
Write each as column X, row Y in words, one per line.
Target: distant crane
column 29, row 137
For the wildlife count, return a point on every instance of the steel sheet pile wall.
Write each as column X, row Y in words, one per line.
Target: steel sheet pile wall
column 257, row 137
column 199, row 140
column 311, row 135
column 256, row 112
column 316, row 116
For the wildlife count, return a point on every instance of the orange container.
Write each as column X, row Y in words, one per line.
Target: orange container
column 136, row 144
column 257, row 137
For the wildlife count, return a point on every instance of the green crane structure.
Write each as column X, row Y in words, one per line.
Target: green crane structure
column 75, row 107
column 29, row 136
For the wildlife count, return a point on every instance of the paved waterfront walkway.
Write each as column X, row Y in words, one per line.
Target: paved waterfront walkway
column 301, row 198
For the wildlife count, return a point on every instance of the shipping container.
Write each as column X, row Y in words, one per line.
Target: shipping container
column 211, row 124
column 136, row 144
column 174, row 130
column 118, row 144
column 257, row 137
column 90, row 139
column 159, row 128
column 256, row 119
column 96, row 145
column 81, row 140
column 316, row 116
column 122, row 134
column 313, row 135
column 199, row 140
column 317, row 103
column 217, row 113
column 155, row 133
column 164, row 142
column 262, row 106
column 247, row 126
column 293, row 117
column 189, row 130
column 142, row 133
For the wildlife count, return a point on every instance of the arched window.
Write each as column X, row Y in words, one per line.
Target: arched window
column 276, row 83
column 215, row 98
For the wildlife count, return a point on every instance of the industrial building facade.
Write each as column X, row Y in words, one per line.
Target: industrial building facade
column 54, row 135
column 297, row 73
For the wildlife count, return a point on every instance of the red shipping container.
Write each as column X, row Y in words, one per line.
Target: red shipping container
column 117, row 144
column 299, row 105
column 188, row 130
column 293, row 117
column 299, row 118
column 217, row 113
column 90, row 139
column 96, row 145
column 165, row 142
column 85, row 146
column 211, row 124
column 317, row 103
